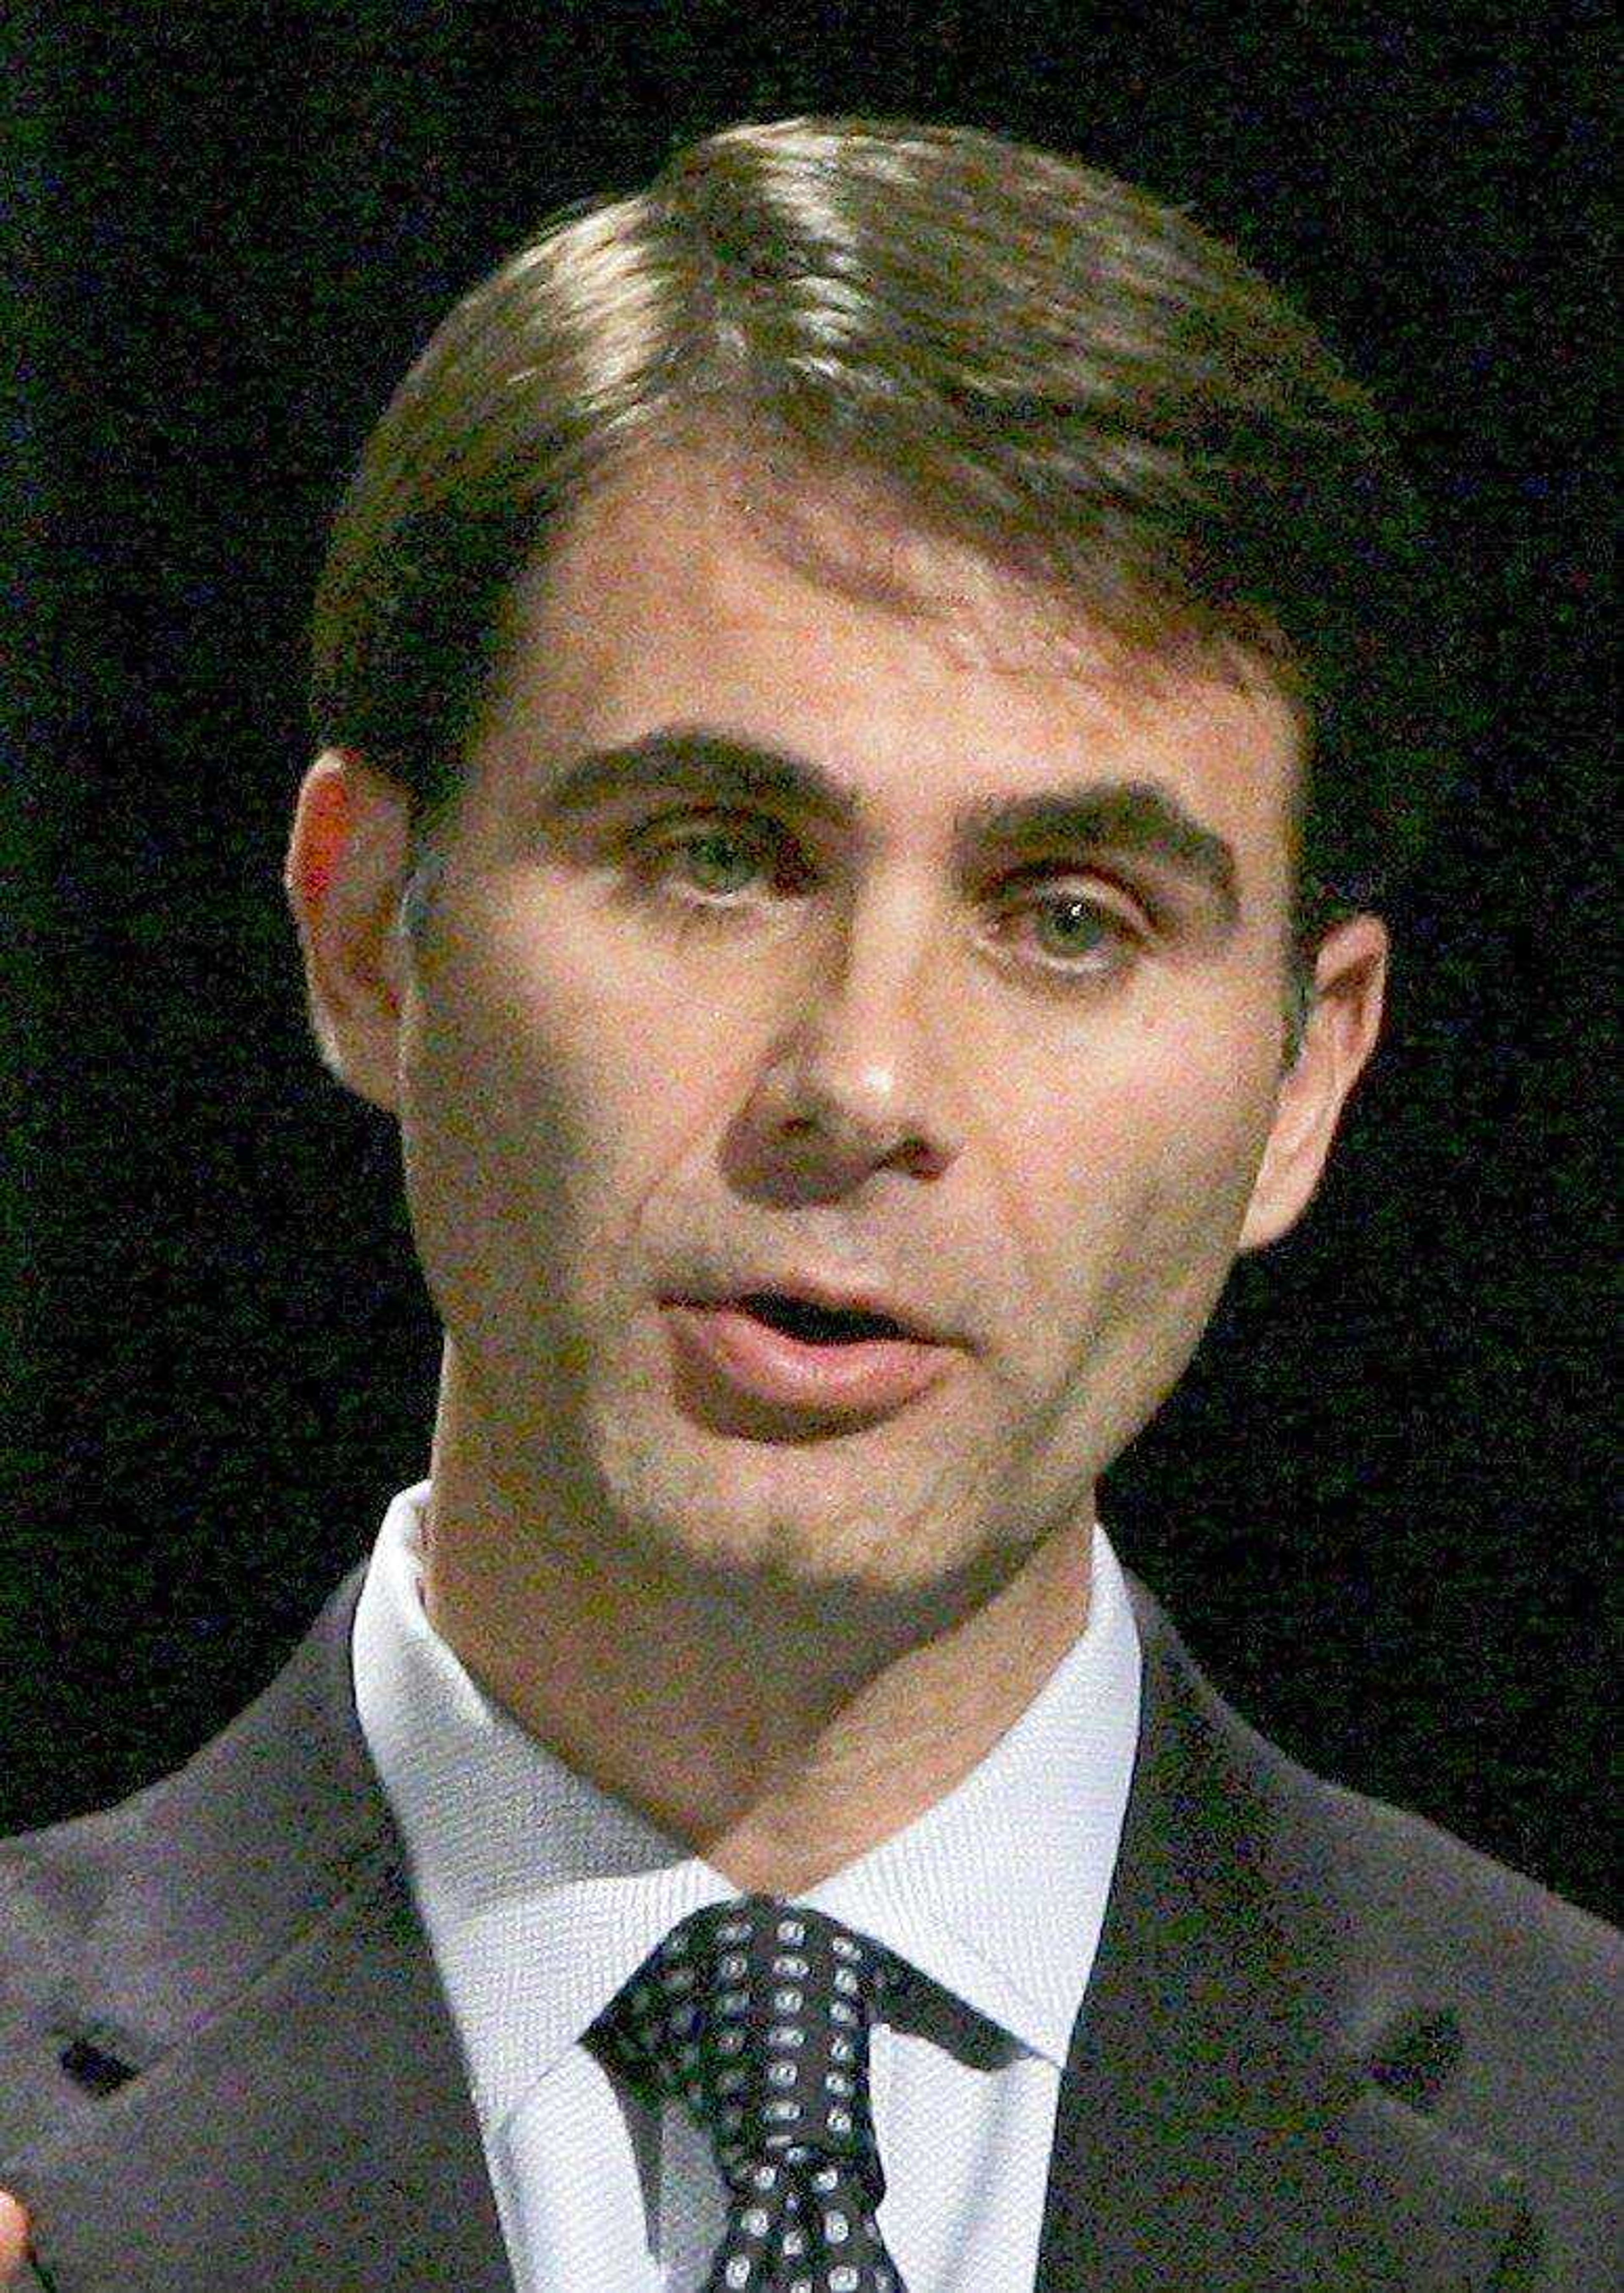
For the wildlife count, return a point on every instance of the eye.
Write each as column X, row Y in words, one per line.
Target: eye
column 1068, row 929
column 716, row 859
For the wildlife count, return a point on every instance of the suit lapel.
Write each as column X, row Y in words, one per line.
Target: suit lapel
column 1214, row 2131
column 297, row 2114
column 317, row 2133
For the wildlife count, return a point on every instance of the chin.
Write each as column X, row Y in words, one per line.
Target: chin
column 777, row 1517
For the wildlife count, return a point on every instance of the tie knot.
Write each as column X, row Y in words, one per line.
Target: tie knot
column 756, row 2015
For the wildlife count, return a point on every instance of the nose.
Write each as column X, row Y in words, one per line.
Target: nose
column 855, row 1083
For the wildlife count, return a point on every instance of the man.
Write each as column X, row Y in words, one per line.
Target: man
column 863, row 694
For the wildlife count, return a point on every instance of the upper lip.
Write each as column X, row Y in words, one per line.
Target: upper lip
column 817, row 1290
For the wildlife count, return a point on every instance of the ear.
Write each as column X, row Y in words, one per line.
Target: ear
column 1350, row 985
column 347, row 863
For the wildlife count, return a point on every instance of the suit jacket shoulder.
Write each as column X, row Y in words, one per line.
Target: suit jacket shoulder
column 157, row 1909
column 1311, row 2008
column 1469, row 1991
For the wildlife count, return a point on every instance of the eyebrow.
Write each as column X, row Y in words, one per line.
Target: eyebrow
column 1134, row 816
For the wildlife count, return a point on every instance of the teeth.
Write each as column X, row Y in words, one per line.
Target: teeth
column 821, row 1326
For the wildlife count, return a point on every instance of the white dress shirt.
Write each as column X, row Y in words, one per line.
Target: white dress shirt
column 541, row 1895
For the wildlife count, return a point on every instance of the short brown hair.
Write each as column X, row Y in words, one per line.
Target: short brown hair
column 1035, row 357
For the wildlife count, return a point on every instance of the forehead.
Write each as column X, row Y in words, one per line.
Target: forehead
column 700, row 589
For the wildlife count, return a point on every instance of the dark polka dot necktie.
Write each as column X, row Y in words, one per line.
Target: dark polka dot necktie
column 756, row 2015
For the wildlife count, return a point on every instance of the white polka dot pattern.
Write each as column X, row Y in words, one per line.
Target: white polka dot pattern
column 756, row 2015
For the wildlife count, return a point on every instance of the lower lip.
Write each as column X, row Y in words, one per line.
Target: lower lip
column 868, row 1377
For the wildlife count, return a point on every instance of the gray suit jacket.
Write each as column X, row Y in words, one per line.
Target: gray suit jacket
column 1324, row 2045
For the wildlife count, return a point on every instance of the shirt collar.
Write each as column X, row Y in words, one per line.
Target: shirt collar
column 542, row 1893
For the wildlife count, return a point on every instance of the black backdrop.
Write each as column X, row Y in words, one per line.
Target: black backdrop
column 1379, row 1503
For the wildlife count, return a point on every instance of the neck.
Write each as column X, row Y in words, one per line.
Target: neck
column 777, row 1734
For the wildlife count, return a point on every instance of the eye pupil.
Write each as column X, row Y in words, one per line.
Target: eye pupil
column 720, row 860
column 1071, row 923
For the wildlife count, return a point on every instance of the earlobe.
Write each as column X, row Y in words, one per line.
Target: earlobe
column 1341, row 1031
column 346, row 863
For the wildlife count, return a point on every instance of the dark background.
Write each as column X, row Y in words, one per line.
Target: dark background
column 1379, row 1504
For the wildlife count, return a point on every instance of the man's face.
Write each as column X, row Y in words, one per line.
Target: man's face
column 757, row 965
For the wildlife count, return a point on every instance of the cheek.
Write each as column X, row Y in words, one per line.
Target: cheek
column 546, row 1096
column 1135, row 1169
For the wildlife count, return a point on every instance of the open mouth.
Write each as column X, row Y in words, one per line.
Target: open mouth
column 804, row 1362
column 818, row 1325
